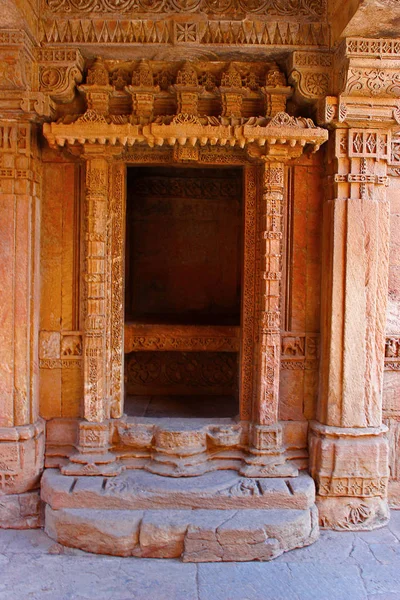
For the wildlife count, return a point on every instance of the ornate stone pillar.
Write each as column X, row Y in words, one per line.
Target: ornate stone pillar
column 265, row 433
column 348, row 444
column 93, row 444
column 21, row 429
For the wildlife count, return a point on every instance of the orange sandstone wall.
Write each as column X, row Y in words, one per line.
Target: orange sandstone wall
column 301, row 310
column 60, row 345
column 391, row 393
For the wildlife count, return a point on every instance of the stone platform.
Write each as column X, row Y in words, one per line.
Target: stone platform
column 216, row 517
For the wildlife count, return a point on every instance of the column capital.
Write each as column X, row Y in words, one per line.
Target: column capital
column 358, row 84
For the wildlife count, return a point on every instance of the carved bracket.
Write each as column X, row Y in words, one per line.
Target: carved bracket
column 59, row 70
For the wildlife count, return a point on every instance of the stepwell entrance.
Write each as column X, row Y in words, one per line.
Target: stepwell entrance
column 183, row 280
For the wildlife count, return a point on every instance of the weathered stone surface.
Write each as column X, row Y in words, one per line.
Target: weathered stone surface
column 227, row 226
column 103, row 532
column 197, row 536
column 21, row 511
column 141, row 490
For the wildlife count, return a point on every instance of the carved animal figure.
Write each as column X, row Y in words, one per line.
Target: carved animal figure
column 71, row 345
column 292, row 346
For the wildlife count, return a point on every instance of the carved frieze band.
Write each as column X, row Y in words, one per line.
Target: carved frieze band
column 314, row 9
column 352, row 486
column 176, row 342
column 169, row 31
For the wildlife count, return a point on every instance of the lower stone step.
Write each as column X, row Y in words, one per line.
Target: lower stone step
column 195, row 535
column 218, row 516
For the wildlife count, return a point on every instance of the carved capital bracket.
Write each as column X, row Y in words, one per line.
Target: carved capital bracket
column 310, row 73
column 19, row 93
column 394, row 160
column 59, row 70
column 356, row 85
column 366, row 85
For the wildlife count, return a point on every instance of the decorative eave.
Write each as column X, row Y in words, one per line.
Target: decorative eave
column 283, row 136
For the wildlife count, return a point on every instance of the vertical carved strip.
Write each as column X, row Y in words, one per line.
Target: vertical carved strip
column 117, row 289
column 95, row 381
column 269, row 241
column 247, row 349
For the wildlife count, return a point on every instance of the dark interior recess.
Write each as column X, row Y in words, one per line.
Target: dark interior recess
column 183, row 245
column 183, row 267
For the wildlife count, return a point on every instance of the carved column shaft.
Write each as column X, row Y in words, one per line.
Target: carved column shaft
column 21, row 430
column 266, row 453
column 348, row 447
column 96, row 405
column 268, row 297
column 355, row 290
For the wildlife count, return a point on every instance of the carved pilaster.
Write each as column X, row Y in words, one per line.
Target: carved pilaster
column 350, row 447
column 102, row 379
column 96, row 405
column 266, row 452
column 21, row 429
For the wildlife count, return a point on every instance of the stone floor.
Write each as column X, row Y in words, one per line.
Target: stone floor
column 348, row 566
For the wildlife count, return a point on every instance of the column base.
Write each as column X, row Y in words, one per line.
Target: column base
column 92, row 464
column 394, row 494
column 266, row 454
column 350, row 469
column 21, row 511
column 21, row 457
column 93, row 456
column 352, row 514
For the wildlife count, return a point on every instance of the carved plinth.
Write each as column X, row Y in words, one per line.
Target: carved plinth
column 265, row 454
column 21, row 458
column 93, row 456
column 350, row 468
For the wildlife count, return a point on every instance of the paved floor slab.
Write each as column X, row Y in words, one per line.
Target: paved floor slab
column 340, row 565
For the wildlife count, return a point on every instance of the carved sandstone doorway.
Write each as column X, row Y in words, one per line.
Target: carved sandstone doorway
column 110, row 442
column 183, row 275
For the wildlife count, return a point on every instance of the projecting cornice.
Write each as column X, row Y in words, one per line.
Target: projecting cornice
column 212, row 104
column 281, row 137
column 358, row 84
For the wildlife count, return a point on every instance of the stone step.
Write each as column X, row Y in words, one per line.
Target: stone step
column 141, row 490
column 195, row 535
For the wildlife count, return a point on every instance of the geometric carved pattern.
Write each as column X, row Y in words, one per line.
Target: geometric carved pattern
column 168, row 31
column 352, row 486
